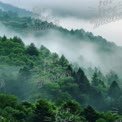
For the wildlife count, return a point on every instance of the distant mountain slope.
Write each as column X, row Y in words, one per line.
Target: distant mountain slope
column 79, row 46
column 7, row 7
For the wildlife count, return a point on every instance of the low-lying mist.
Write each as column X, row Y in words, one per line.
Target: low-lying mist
column 83, row 52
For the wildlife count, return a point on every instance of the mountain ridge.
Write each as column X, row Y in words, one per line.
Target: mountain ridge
column 20, row 11
column 92, row 51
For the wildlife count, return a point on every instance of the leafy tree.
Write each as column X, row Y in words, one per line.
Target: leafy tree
column 114, row 90
column 63, row 61
column 69, row 71
column 43, row 111
column 32, row 50
column 18, row 40
column 7, row 100
column 101, row 120
column 4, row 38
column 110, row 117
column 90, row 114
column 95, row 80
column 82, row 81
column 44, row 51
column 112, row 76
column 73, row 106
column 95, row 97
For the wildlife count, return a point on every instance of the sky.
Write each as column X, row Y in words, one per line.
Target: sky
column 102, row 17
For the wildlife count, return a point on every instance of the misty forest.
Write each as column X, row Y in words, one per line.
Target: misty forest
column 51, row 74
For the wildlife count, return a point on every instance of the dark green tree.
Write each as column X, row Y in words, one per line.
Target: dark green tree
column 82, row 80
column 73, row 106
column 43, row 111
column 18, row 41
column 63, row 61
column 97, row 80
column 7, row 100
column 90, row 114
column 44, row 51
column 112, row 76
column 32, row 50
column 114, row 90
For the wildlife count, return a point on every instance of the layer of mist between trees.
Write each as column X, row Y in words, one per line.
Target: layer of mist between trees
column 30, row 73
column 92, row 51
column 67, row 72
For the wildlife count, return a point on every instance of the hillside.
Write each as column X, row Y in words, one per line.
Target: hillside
column 92, row 51
column 12, row 9
column 30, row 73
column 50, row 73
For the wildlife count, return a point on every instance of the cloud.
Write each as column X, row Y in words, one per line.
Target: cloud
column 75, row 8
column 78, row 14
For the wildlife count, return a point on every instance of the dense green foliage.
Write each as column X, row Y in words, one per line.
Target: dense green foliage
column 31, row 73
column 99, row 49
column 43, row 111
column 37, row 85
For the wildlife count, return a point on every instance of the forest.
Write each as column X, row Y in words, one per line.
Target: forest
column 37, row 85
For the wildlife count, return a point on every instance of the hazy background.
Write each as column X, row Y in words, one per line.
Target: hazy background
column 78, row 14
